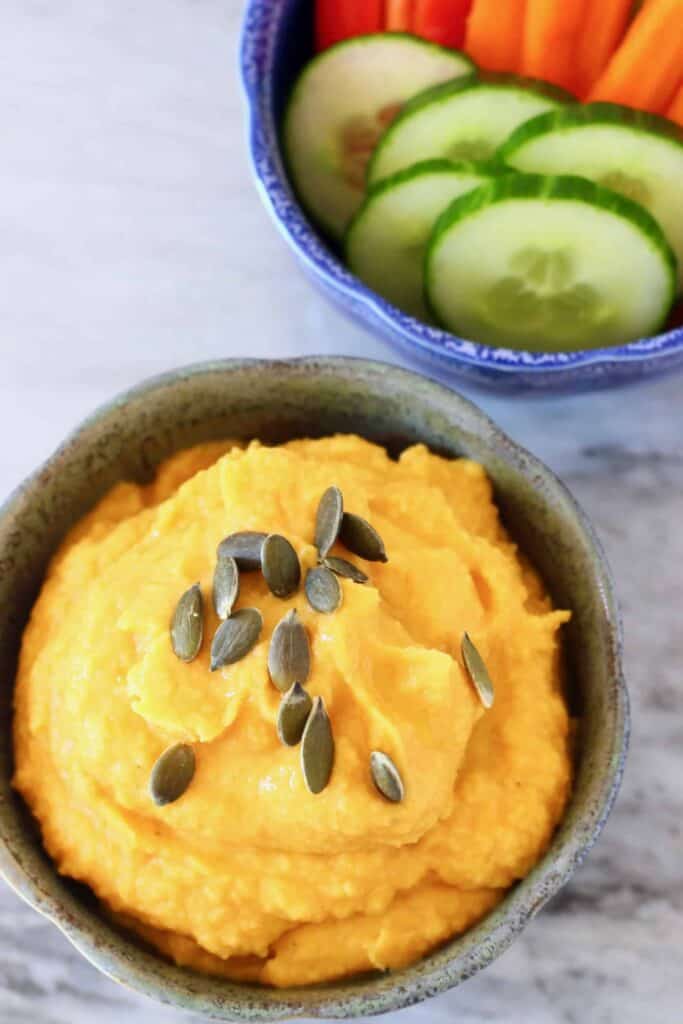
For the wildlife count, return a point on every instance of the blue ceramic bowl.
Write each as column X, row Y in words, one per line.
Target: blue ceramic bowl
column 277, row 41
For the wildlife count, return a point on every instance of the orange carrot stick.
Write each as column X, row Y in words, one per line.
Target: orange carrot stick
column 645, row 72
column 493, row 37
column 551, row 34
column 675, row 111
column 398, row 15
column 603, row 27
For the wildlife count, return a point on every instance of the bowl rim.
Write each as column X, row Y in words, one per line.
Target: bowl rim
column 260, row 25
column 122, row 960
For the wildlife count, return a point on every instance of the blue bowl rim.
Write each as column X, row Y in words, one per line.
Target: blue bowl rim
column 179, row 987
column 259, row 31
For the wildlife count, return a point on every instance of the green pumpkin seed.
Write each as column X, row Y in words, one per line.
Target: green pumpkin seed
column 280, row 565
column 226, row 586
column 478, row 673
column 386, row 777
column 245, row 548
column 289, row 654
column 172, row 774
column 317, row 748
column 349, row 571
column 323, row 590
column 187, row 625
column 328, row 520
column 363, row 539
column 235, row 637
column 295, row 708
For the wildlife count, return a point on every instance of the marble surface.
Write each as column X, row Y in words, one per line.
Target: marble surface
column 132, row 241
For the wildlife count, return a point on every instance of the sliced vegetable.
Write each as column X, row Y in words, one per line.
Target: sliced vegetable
column 386, row 240
column 399, row 15
column 551, row 35
column 336, row 20
column 462, row 120
column 603, row 27
column 340, row 105
column 645, row 72
column 442, row 21
column 637, row 154
column 675, row 111
column 494, row 34
column 547, row 264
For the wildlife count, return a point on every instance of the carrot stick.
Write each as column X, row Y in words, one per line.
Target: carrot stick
column 342, row 19
column 645, row 72
column 675, row 111
column 551, row 35
column 493, row 37
column 603, row 27
column 399, row 15
column 442, row 21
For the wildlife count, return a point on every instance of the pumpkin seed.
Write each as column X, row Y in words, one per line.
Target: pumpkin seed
column 328, row 520
column 187, row 625
column 235, row 637
column 280, row 565
column 295, row 708
column 317, row 748
column 226, row 586
column 363, row 539
column 289, row 654
column 172, row 774
column 245, row 548
column 323, row 590
column 478, row 673
column 386, row 777
column 340, row 567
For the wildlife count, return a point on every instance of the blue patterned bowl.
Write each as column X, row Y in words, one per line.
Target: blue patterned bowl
column 277, row 41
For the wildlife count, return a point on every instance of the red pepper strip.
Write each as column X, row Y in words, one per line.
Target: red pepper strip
column 442, row 21
column 343, row 19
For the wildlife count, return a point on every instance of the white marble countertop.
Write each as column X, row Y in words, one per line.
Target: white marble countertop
column 133, row 241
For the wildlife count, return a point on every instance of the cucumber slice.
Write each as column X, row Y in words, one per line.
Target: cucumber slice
column 461, row 120
column 548, row 264
column 387, row 239
column 339, row 107
column 637, row 154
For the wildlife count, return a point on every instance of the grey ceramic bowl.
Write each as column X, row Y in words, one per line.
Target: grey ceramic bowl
column 276, row 401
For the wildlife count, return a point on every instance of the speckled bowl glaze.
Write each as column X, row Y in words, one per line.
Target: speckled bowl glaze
column 275, row 401
column 277, row 40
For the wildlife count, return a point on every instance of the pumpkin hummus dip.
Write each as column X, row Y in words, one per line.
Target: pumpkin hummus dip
column 294, row 712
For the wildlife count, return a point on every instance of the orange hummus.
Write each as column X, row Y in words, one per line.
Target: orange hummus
column 248, row 874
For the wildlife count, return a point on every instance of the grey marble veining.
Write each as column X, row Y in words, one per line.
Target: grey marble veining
column 131, row 241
